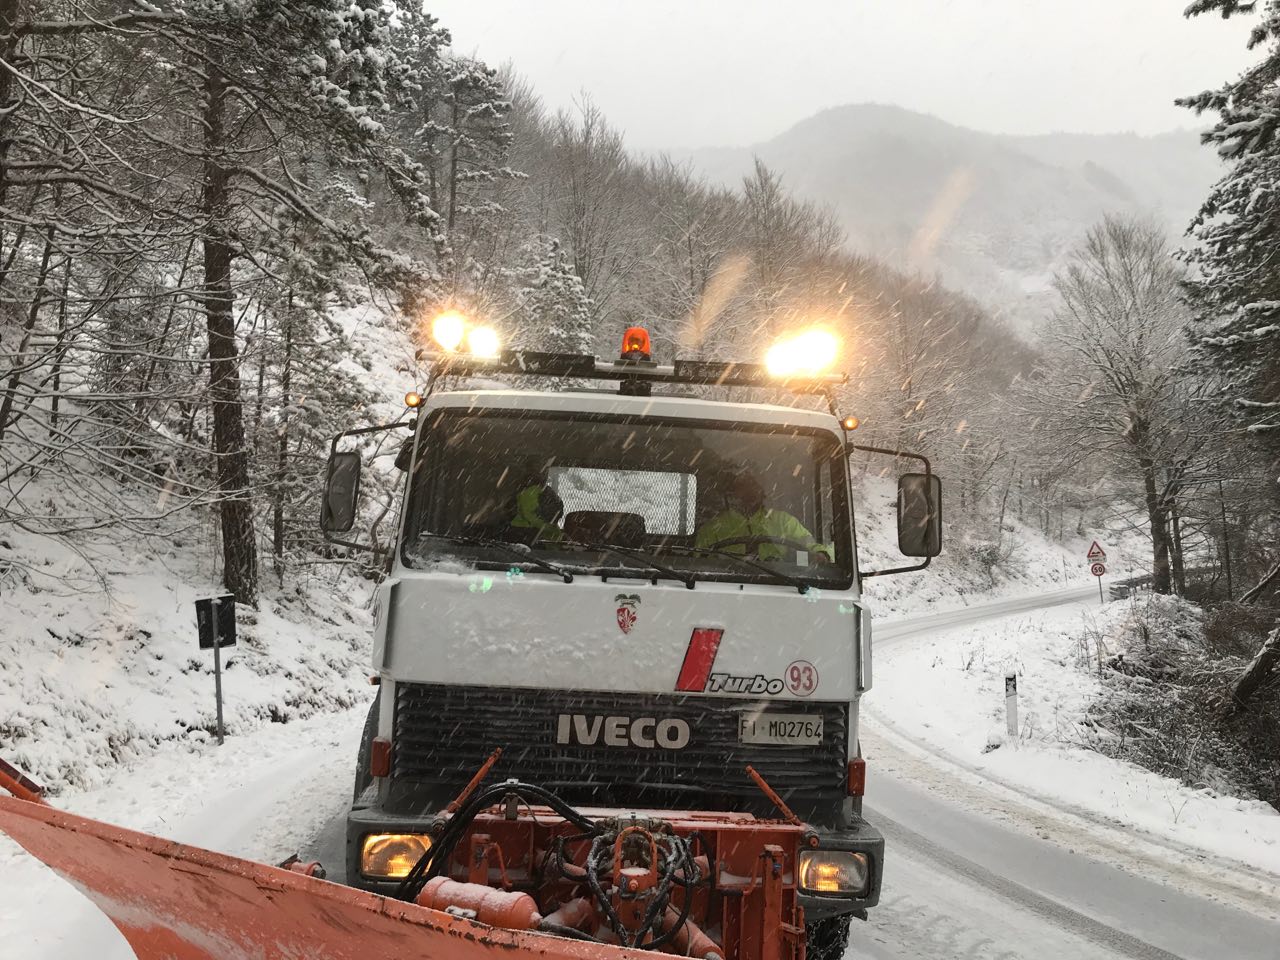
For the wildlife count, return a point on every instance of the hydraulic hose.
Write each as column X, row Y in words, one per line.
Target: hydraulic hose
column 431, row 863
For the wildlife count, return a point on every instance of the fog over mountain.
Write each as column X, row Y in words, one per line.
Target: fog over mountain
column 991, row 214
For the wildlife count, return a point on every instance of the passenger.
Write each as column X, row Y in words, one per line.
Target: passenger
column 747, row 516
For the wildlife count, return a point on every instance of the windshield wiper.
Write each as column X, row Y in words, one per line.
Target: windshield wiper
column 521, row 550
column 801, row 585
column 688, row 579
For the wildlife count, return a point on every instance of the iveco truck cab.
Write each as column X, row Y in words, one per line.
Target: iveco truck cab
column 579, row 590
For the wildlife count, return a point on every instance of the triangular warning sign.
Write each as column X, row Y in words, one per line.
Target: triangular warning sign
column 1096, row 552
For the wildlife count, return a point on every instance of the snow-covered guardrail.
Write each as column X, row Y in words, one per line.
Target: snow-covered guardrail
column 1123, row 589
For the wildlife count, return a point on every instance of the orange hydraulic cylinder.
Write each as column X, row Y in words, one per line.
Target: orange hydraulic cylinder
column 497, row 908
column 690, row 940
column 580, row 914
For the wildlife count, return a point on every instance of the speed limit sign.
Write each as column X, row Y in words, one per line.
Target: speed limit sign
column 1098, row 569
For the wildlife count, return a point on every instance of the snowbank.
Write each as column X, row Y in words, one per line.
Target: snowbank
column 99, row 664
column 945, row 692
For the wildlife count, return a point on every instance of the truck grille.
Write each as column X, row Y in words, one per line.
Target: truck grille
column 444, row 733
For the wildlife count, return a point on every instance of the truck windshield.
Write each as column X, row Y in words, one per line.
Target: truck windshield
column 634, row 497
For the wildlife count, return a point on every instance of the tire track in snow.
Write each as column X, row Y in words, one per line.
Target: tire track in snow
column 1114, row 941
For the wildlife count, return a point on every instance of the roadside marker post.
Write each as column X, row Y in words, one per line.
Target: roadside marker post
column 1011, row 703
column 216, row 627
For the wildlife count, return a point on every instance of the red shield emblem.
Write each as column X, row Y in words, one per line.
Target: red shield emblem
column 628, row 611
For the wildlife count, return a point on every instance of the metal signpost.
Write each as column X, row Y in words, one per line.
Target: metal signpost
column 216, row 625
column 1097, row 565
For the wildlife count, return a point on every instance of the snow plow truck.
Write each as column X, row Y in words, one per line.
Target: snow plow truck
column 619, row 651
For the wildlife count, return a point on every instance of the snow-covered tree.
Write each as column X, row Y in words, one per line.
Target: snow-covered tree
column 1236, row 284
column 1114, row 388
column 555, row 311
column 451, row 114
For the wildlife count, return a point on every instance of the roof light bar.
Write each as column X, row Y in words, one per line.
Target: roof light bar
column 692, row 372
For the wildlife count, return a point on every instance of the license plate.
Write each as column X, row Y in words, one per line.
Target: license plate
column 782, row 729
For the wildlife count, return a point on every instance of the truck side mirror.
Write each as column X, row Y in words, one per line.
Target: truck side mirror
column 404, row 458
column 341, row 493
column 919, row 515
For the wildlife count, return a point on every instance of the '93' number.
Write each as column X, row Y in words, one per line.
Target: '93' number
column 802, row 678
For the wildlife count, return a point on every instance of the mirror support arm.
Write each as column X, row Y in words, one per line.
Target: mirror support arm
column 333, row 448
column 928, row 469
column 863, row 574
column 901, row 454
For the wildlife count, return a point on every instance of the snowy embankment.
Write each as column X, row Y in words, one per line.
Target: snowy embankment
column 944, row 692
column 99, row 664
column 107, row 700
column 264, row 795
column 102, row 673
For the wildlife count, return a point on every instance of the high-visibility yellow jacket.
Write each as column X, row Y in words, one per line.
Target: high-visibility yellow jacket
column 733, row 524
column 527, row 514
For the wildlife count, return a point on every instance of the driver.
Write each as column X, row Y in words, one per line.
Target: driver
column 746, row 517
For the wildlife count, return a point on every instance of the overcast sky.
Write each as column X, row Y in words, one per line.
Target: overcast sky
column 688, row 73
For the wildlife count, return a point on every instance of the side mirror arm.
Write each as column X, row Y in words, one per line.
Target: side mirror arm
column 901, row 455
column 333, row 448
column 897, row 454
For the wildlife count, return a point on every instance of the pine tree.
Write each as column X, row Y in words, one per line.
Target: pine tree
column 554, row 306
column 452, row 115
column 1235, row 289
column 255, row 118
column 1237, row 294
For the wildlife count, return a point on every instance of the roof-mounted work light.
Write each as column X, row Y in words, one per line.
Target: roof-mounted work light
column 451, row 330
column 804, row 354
column 483, row 342
column 448, row 330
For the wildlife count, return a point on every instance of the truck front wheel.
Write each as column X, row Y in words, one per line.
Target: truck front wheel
column 363, row 776
column 827, row 939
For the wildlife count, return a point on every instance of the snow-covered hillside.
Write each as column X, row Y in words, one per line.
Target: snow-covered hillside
column 995, row 215
column 99, row 663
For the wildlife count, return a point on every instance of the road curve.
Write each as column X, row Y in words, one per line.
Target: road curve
column 1051, row 900
column 963, row 616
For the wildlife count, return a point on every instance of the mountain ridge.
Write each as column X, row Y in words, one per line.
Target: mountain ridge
column 991, row 214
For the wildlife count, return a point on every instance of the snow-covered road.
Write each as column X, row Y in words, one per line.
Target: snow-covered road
column 976, row 870
column 963, row 616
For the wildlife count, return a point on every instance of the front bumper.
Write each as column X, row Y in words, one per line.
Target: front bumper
column 858, row 837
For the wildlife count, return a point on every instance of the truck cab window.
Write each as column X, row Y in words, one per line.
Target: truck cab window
column 691, row 495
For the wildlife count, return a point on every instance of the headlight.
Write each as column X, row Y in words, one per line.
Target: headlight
column 392, row 855
column 834, row 872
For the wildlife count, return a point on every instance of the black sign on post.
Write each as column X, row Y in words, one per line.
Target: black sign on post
column 221, row 626
column 216, row 626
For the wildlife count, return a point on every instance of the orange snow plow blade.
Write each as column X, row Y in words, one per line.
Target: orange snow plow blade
column 175, row 902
